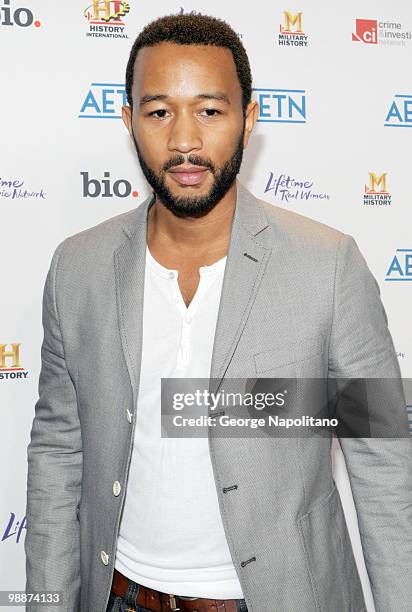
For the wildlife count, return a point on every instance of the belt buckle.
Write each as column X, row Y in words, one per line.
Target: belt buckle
column 173, row 604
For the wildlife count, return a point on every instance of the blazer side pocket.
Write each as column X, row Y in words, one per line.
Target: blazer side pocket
column 329, row 557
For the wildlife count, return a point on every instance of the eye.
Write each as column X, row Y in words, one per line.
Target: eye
column 160, row 110
column 212, row 110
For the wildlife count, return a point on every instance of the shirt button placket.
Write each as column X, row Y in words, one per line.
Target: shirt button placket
column 186, row 332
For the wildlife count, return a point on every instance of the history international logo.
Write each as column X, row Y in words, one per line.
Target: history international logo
column 106, row 18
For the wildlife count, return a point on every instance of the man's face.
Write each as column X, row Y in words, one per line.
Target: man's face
column 187, row 112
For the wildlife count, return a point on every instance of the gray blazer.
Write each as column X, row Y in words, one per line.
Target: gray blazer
column 298, row 299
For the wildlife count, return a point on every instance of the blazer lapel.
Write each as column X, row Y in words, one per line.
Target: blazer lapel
column 245, row 265
column 129, row 269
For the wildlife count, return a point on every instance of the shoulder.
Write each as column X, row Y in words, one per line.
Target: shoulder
column 110, row 231
column 297, row 230
column 311, row 245
column 97, row 243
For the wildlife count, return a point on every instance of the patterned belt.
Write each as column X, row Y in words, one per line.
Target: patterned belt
column 162, row 602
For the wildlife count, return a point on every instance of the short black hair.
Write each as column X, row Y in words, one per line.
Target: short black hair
column 193, row 29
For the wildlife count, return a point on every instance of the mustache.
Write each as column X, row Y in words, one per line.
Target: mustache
column 194, row 160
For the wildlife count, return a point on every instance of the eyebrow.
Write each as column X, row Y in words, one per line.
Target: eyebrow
column 214, row 95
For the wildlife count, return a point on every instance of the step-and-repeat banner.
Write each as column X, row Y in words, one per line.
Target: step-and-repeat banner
column 332, row 142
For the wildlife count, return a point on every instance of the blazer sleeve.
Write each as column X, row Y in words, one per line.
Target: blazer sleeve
column 54, row 454
column 379, row 468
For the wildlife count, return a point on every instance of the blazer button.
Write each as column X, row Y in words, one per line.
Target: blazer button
column 129, row 415
column 104, row 557
column 116, row 488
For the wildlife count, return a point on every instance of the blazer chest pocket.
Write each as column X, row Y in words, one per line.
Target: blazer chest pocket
column 288, row 353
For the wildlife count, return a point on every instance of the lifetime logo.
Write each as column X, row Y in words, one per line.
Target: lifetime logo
column 22, row 17
column 14, row 529
column 281, row 105
column 400, row 268
column 93, row 188
column 13, row 370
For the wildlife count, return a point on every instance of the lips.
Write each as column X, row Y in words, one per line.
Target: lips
column 189, row 176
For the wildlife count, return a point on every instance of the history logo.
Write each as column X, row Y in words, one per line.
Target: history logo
column 10, row 366
column 106, row 18
column 376, row 193
column 374, row 32
column 291, row 33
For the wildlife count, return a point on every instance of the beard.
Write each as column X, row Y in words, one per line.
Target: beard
column 194, row 206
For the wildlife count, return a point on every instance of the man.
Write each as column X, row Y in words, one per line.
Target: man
column 205, row 280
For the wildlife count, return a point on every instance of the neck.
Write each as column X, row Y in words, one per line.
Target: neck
column 191, row 236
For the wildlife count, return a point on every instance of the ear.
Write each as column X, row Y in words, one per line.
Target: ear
column 127, row 118
column 252, row 113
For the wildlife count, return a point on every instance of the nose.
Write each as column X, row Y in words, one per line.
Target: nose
column 184, row 134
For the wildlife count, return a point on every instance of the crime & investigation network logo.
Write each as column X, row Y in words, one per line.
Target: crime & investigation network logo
column 376, row 193
column 400, row 112
column 400, row 268
column 106, row 19
column 10, row 366
column 291, row 33
column 103, row 101
column 385, row 32
column 288, row 189
column 281, row 105
column 14, row 189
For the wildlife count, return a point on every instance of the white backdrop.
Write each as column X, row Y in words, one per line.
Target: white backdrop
column 335, row 102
